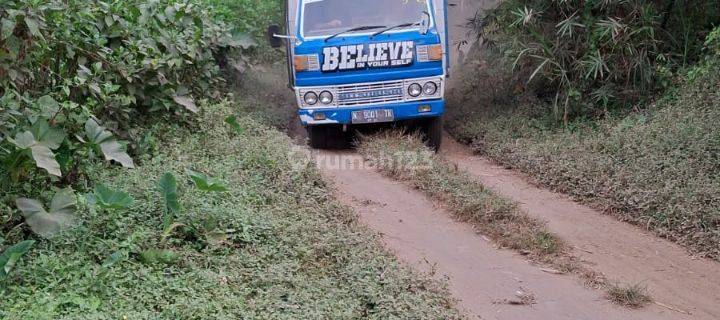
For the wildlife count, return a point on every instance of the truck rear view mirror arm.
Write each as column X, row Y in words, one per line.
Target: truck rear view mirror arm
column 275, row 36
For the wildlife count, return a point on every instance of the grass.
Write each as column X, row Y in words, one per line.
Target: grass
column 631, row 296
column 657, row 167
column 406, row 158
column 275, row 246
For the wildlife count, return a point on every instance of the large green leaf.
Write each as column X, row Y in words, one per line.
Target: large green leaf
column 41, row 151
column 108, row 198
column 48, row 106
column 206, row 183
column 111, row 148
column 48, row 224
column 168, row 187
column 46, row 135
column 24, row 140
column 12, row 255
column 45, row 158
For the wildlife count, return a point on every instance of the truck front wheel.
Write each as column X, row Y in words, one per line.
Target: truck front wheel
column 432, row 129
column 326, row 137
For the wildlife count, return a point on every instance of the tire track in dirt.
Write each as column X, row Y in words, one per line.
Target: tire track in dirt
column 620, row 251
column 486, row 280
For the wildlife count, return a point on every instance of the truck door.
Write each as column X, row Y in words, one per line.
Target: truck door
column 291, row 10
column 441, row 20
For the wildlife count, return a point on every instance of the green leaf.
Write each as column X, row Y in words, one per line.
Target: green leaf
column 6, row 28
column 41, row 151
column 48, row 224
column 34, row 27
column 45, row 159
column 168, row 187
column 232, row 121
column 12, row 255
column 111, row 148
column 23, row 140
column 108, row 198
column 186, row 102
column 48, row 106
column 206, row 183
column 46, row 135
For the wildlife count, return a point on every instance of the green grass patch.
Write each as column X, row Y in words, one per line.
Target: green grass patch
column 274, row 245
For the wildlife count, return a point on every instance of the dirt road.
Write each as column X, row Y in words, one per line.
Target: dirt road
column 487, row 281
column 618, row 250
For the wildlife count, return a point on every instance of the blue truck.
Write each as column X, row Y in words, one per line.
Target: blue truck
column 360, row 62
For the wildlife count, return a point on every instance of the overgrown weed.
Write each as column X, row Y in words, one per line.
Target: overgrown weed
column 632, row 296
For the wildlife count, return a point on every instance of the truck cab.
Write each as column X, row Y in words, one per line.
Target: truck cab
column 363, row 62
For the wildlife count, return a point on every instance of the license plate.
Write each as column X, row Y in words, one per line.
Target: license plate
column 373, row 116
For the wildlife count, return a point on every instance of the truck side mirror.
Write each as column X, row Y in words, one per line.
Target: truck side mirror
column 275, row 42
column 425, row 23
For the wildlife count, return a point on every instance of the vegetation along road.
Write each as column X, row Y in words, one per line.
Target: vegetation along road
column 152, row 166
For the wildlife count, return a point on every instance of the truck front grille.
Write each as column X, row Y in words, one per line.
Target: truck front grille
column 351, row 95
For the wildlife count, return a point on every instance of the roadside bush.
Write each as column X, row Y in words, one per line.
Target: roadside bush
column 595, row 56
column 75, row 73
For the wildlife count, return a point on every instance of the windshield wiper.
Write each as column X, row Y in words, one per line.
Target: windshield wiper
column 363, row 28
column 402, row 25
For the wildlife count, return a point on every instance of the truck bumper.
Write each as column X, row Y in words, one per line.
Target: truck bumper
column 343, row 115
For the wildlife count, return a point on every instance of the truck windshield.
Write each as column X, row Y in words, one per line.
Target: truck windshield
column 327, row 17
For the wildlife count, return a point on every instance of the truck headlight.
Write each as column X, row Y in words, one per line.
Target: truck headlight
column 415, row 90
column 326, row 97
column 311, row 98
column 430, row 88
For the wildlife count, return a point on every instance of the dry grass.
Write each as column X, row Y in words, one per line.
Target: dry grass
column 631, row 296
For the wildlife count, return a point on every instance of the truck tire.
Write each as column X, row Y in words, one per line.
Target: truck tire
column 326, row 137
column 433, row 132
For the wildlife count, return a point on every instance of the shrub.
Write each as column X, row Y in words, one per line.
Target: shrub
column 66, row 67
column 595, row 55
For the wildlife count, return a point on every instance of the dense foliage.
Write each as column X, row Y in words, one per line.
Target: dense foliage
column 270, row 244
column 76, row 76
column 592, row 56
column 248, row 16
